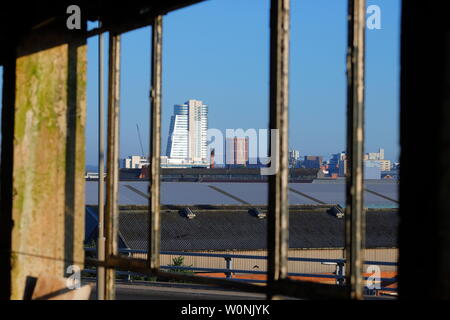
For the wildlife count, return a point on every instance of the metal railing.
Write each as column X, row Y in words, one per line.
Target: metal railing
column 338, row 275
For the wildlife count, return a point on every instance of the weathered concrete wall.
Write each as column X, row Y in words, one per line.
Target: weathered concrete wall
column 48, row 172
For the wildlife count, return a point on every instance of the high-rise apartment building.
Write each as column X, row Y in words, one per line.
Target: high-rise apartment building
column 294, row 158
column 188, row 132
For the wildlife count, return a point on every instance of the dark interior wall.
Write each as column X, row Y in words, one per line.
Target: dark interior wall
column 6, row 167
column 425, row 144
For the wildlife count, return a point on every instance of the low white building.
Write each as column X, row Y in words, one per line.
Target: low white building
column 135, row 162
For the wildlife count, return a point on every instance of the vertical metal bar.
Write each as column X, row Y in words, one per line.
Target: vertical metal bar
column 278, row 217
column 155, row 144
column 229, row 266
column 112, row 178
column 101, row 170
column 340, row 271
column 355, row 217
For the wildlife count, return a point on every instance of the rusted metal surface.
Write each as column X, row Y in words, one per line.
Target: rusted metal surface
column 278, row 215
column 355, row 217
column 112, row 177
column 49, row 159
column 155, row 144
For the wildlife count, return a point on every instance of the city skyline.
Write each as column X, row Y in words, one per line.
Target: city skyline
column 227, row 68
column 237, row 152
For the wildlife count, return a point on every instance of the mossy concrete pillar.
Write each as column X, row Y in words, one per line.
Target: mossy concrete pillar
column 47, row 212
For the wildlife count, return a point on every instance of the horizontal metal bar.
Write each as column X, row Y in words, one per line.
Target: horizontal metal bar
column 382, row 279
column 215, row 270
column 140, row 266
column 92, row 271
column 381, row 263
column 220, row 270
column 295, row 274
column 244, row 256
column 249, row 280
column 315, row 275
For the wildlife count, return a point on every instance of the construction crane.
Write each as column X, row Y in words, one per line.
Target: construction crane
column 140, row 140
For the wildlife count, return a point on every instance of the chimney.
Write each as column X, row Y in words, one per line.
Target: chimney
column 211, row 165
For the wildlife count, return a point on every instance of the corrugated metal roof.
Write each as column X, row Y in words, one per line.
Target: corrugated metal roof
column 241, row 231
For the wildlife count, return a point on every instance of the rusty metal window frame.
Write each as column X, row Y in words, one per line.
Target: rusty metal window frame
column 278, row 217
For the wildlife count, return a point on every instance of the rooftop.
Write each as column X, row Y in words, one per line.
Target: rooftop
column 377, row 195
column 234, row 228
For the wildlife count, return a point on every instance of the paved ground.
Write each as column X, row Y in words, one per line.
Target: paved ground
column 167, row 291
column 176, row 291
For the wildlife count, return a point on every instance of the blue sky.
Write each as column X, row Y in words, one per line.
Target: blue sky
column 218, row 51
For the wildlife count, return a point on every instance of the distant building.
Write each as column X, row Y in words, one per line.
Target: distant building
column 212, row 158
column 392, row 174
column 336, row 165
column 375, row 155
column 236, row 151
column 343, row 166
column 167, row 162
column 313, row 162
column 135, row 162
column 385, row 165
column 187, row 140
column 294, row 158
column 372, row 169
